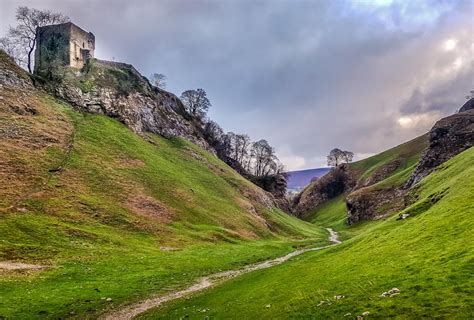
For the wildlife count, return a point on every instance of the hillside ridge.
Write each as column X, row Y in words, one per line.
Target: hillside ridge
column 87, row 200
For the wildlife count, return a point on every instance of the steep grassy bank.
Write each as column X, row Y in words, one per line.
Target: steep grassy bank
column 429, row 257
column 111, row 214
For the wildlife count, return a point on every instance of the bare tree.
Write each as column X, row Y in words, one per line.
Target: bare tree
column 230, row 138
column 263, row 156
column 242, row 147
column 158, row 80
column 24, row 35
column 14, row 50
column 215, row 136
column 239, row 144
column 337, row 156
column 347, row 156
column 196, row 102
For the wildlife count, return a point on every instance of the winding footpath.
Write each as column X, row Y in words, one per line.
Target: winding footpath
column 134, row 310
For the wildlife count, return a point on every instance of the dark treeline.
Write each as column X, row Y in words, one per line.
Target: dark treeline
column 254, row 158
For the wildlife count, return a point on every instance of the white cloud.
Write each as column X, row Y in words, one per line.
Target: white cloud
column 450, row 44
column 420, row 120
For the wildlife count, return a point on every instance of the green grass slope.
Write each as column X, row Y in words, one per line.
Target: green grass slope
column 386, row 170
column 407, row 154
column 111, row 214
column 429, row 257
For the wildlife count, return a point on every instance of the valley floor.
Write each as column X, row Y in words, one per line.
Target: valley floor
column 212, row 280
column 428, row 257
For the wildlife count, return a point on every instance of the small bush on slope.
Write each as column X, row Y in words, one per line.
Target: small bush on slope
column 429, row 257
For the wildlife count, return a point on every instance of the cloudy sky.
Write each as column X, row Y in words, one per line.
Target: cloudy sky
column 361, row 75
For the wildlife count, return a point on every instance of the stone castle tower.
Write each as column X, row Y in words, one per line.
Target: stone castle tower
column 63, row 45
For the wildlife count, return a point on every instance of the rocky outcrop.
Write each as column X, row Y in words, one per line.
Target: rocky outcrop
column 332, row 184
column 11, row 75
column 449, row 137
column 469, row 105
column 372, row 203
column 118, row 90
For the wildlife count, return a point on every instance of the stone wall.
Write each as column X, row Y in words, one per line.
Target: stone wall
column 63, row 45
column 81, row 46
column 52, row 47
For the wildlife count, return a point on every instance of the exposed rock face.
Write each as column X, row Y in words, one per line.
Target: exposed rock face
column 119, row 91
column 449, row 137
column 12, row 75
column 372, row 204
column 332, row 184
column 469, row 105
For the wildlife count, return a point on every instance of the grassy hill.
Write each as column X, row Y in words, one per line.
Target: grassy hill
column 388, row 170
column 428, row 256
column 405, row 155
column 109, row 216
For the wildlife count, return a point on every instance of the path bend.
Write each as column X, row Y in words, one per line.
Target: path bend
column 129, row 312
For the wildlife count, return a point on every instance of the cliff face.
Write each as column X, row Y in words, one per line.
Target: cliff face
column 118, row 90
column 469, row 105
column 373, row 203
column 449, row 137
column 11, row 75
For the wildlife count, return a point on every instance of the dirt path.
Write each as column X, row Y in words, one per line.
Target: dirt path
column 333, row 236
column 9, row 265
column 132, row 311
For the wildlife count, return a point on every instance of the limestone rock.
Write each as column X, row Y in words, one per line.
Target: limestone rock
column 449, row 137
column 119, row 91
column 390, row 293
column 12, row 75
column 469, row 105
column 370, row 203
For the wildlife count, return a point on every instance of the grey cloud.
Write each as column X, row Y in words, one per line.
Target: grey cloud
column 307, row 76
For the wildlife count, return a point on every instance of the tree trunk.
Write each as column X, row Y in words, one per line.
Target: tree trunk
column 30, row 52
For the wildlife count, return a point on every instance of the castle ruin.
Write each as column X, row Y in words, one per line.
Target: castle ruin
column 63, row 45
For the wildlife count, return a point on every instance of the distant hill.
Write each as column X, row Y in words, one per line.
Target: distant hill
column 301, row 178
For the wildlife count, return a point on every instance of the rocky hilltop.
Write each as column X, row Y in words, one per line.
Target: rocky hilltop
column 469, row 105
column 118, row 90
column 449, row 137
